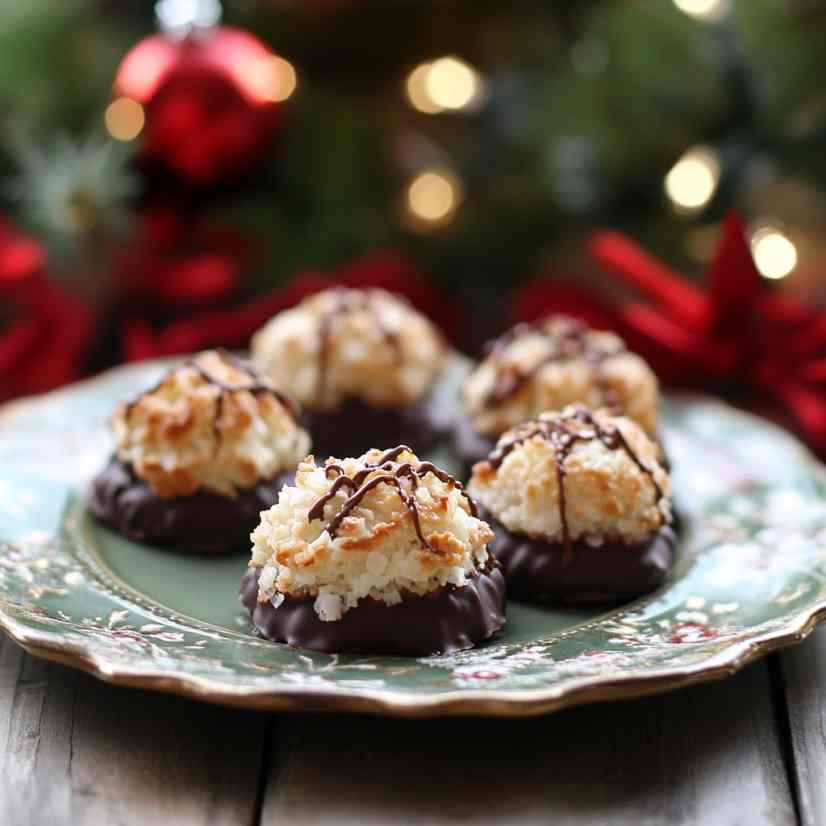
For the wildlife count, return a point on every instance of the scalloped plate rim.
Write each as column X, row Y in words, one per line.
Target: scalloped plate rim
column 505, row 703
column 567, row 693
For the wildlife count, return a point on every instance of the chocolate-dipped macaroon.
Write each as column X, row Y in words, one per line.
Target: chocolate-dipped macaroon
column 547, row 365
column 363, row 364
column 580, row 507
column 199, row 456
column 380, row 554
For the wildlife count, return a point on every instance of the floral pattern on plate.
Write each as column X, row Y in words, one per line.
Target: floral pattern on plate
column 751, row 576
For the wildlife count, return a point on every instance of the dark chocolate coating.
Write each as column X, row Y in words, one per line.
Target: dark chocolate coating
column 201, row 523
column 449, row 619
column 613, row 572
column 355, row 427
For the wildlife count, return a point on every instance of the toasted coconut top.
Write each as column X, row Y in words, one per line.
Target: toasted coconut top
column 613, row 486
column 211, row 423
column 383, row 525
column 342, row 343
column 553, row 363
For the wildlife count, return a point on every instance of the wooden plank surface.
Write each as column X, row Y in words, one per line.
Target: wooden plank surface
column 706, row 755
column 804, row 672
column 77, row 751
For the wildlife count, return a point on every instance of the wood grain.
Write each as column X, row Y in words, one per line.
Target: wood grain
column 709, row 754
column 804, row 672
column 77, row 751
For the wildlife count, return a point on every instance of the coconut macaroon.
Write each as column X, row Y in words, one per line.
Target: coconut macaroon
column 199, row 455
column 362, row 363
column 580, row 506
column 547, row 365
column 380, row 553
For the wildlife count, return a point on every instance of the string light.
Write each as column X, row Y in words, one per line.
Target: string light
column 775, row 256
column 271, row 78
column 417, row 93
column 433, row 196
column 691, row 183
column 709, row 11
column 447, row 83
column 451, row 83
column 124, row 119
column 287, row 79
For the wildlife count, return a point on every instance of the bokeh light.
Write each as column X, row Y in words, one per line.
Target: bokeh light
column 447, row 83
column 775, row 256
column 709, row 11
column 124, row 119
column 417, row 92
column 433, row 195
column 692, row 181
column 272, row 79
column 451, row 83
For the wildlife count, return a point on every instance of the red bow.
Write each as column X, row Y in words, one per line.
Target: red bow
column 177, row 260
column 233, row 327
column 735, row 332
column 45, row 331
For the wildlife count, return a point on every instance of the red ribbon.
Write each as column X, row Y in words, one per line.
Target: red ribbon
column 736, row 332
column 233, row 327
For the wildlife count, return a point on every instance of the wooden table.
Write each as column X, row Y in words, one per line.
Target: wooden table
column 750, row 750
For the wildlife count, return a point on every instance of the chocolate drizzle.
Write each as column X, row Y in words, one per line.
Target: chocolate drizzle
column 392, row 473
column 346, row 301
column 569, row 338
column 563, row 440
column 256, row 386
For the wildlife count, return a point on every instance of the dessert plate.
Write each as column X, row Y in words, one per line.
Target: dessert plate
column 751, row 577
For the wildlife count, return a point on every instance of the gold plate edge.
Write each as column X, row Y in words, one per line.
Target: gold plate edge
column 524, row 703
column 515, row 703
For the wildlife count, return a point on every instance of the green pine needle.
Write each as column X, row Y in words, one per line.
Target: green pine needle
column 73, row 193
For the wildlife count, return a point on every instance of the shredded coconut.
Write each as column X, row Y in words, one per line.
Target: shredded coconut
column 376, row 551
column 560, row 382
column 203, row 428
column 606, row 493
column 378, row 349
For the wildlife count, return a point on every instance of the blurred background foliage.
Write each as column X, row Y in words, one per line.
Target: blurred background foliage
column 579, row 113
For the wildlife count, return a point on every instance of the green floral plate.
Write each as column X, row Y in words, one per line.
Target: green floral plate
column 751, row 576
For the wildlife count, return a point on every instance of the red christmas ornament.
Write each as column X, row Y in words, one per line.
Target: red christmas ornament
column 735, row 333
column 209, row 99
